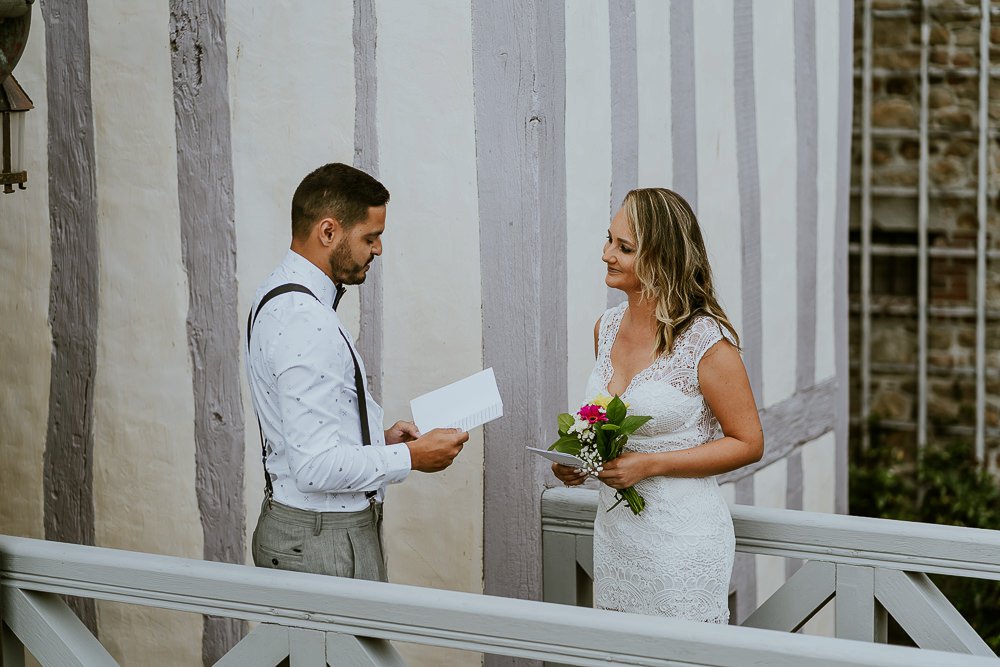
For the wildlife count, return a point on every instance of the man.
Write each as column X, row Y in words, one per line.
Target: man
column 326, row 466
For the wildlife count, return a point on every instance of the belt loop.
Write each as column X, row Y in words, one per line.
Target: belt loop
column 318, row 524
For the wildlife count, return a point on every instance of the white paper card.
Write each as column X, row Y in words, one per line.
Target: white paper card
column 558, row 457
column 465, row 404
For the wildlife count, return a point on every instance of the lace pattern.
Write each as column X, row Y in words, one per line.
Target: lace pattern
column 676, row 558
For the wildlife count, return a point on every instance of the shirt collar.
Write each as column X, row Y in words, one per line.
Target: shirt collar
column 310, row 275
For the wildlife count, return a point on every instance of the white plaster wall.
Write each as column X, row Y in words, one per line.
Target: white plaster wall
column 652, row 28
column 828, row 93
column 588, row 184
column 718, row 185
column 144, row 473
column 26, row 342
column 433, row 301
column 774, row 76
column 770, row 489
column 292, row 109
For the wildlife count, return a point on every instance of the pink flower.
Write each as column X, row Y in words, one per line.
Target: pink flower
column 593, row 413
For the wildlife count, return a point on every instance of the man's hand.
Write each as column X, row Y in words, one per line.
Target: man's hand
column 401, row 432
column 569, row 475
column 436, row 450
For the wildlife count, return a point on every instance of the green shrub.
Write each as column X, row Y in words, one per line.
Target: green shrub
column 947, row 487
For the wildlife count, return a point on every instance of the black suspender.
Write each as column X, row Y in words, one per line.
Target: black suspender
column 359, row 384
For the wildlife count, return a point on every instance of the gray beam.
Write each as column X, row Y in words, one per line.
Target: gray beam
column 791, row 606
column 266, row 646
column 74, row 303
column 683, row 131
column 200, row 62
column 366, row 153
column 350, row 651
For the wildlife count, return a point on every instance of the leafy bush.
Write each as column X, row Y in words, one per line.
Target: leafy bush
column 947, row 487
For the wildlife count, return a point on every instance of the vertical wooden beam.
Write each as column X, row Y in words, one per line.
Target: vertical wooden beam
column 11, row 648
column 744, row 91
column 208, row 244
column 519, row 78
column 624, row 110
column 683, row 132
column 922, row 221
column 866, row 223
column 807, row 195
column 858, row 614
column 842, row 313
column 73, row 301
column 366, row 158
column 745, row 565
column 982, row 215
column 558, row 567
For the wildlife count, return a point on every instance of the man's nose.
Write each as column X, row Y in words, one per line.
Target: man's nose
column 377, row 248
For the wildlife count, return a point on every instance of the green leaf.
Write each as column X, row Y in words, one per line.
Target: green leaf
column 609, row 427
column 616, row 411
column 632, row 423
column 567, row 445
column 565, row 421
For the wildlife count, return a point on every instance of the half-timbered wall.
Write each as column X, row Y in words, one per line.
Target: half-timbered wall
column 163, row 149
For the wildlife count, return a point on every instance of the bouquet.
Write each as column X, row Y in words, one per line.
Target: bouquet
column 597, row 433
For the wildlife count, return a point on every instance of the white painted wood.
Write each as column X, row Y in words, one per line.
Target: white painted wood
column 51, row 631
column 856, row 603
column 306, row 648
column 983, row 220
column 559, row 567
column 265, row 646
column 899, row 545
column 792, row 605
column 866, row 221
column 925, row 613
column 585, row 554
column 923, row 211
column 349, row 651
column 494, row 625
column 770, row 490
column 11, row 648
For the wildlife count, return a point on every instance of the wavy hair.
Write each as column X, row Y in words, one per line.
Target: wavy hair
column 671, row 263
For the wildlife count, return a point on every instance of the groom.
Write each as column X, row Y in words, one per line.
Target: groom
column 326, row 457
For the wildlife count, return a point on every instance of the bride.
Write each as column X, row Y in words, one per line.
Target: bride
column 670, row 352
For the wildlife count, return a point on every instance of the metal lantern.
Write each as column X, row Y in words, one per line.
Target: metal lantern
column 15, row 20
column 14, row 102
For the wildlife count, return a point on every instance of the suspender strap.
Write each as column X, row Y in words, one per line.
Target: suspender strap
column 359, row 384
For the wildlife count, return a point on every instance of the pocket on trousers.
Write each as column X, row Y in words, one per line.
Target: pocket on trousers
column 368, row 561
column 265, row 557
column 278, row 538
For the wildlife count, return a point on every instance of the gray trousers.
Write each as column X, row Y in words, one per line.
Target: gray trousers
column 341, row 544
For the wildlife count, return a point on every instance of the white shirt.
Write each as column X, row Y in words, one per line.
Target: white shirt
column 302, row 382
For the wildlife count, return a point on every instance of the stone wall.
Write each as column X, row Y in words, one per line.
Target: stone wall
column 952, row 171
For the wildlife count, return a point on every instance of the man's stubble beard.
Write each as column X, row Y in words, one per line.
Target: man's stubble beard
column 343, row 267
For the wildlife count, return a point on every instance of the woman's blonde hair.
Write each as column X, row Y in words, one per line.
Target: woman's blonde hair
column 671, row 263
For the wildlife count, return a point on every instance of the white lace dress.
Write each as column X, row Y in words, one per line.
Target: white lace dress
column 676, row 557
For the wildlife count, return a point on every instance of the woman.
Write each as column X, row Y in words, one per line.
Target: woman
column 670, row 352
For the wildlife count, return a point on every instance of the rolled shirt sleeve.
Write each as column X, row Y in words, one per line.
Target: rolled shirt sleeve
column 314, row 380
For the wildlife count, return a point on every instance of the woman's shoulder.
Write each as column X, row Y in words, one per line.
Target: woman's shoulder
column 703, row 332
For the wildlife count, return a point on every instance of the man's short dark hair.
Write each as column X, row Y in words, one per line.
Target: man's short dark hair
column 338, row 191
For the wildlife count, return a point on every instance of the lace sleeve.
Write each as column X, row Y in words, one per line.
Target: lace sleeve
column 705, row 333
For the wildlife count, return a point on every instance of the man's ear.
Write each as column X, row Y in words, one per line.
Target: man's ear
column 328, row 232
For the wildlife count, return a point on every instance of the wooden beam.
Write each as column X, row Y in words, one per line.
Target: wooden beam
column 266, row 646
column 791, row 606
column 50, row 630
column 351, row 651
column 925, row 613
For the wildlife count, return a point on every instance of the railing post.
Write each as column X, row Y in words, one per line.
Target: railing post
column 559, row 567
column 11, row 648
column 858, row 614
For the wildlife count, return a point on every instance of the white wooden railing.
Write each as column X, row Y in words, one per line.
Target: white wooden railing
column 875, row 568
column 318, row 620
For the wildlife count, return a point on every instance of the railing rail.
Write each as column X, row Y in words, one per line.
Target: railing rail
column 315, row 618
column 873, row 567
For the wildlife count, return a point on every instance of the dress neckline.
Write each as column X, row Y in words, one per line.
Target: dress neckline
column 617, row 323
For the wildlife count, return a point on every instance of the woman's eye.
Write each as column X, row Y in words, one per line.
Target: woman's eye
column 626, row 250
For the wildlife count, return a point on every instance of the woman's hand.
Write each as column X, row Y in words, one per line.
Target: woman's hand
column 401, row 432
column 569, row 475
column 626, row 470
